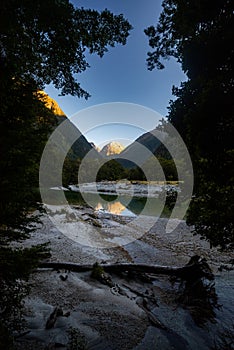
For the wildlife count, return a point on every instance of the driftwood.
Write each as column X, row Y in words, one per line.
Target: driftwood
column 196, row 268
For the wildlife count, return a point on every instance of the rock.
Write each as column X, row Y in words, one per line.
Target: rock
column 71, row 216
column 67, row 314
column 63, row 277
column 225, row 267
column 53, row 317
column 96, row 223
column 85, row 217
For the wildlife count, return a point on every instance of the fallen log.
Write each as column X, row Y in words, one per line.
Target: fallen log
column 196, row 268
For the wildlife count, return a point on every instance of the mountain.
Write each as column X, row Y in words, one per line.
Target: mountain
column 95, row 147
column 138, row 151
column 81, row 146
column 51, row 104
column 112, row 148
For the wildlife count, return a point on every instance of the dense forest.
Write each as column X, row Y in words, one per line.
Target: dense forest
column 34, row 39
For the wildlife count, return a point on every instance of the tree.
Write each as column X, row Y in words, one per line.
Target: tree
column 199, row 34
column 24, row 127
column 70, row 170
column 46, row 42
column 41, row 42
column 111, row 171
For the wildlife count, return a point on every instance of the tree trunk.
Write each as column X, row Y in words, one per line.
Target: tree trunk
column 196, row 268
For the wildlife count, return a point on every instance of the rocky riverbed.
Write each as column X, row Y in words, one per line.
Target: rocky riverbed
column 124, row 187
column 138, row 311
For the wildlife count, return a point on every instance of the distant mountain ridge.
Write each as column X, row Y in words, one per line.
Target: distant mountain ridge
column 95, row 147
column 81, row 146
column 112, row 148
column 147, row 141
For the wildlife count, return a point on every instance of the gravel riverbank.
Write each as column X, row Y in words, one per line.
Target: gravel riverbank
column 96, row 316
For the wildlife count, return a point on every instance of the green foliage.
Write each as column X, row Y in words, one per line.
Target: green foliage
column 23, row 131
column 199, row 34
column 70, row 171
column 47, row 41
column 212, row 213
column 135, row 173
column 171, row 197
column 114, row 171
column 111, row 171
column 169, row 169
column 19, row 263
column 15, row 267
column 167, row 166
column 97, row 271
column 87, row 169
column 24, row 127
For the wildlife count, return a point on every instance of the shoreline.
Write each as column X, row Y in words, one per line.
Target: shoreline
column 140, row 189
column 107, row 320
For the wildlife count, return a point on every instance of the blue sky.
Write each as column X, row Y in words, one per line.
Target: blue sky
column 122, row 75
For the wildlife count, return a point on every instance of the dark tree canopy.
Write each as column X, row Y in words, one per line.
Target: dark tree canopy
column 47, row 41
column 41, row 42
column 200, row 35
column 197, row 33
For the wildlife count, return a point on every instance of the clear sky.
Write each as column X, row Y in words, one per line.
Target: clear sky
column 122, row 75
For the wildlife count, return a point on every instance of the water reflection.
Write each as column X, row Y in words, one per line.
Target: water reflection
column 124, row 205
column 117, row 205
column 116, row 208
